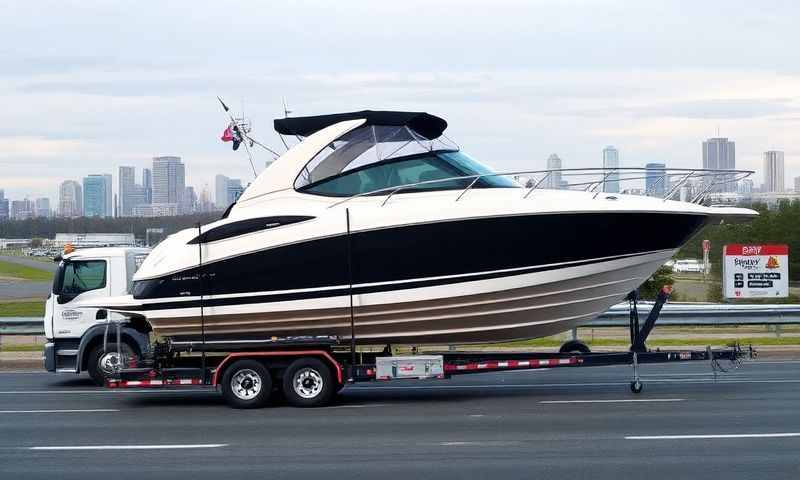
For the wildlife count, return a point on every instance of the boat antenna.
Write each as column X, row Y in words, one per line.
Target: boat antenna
column 286, row 113
column 243, row 131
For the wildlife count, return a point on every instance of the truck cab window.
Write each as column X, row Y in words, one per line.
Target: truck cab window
column 74, row 278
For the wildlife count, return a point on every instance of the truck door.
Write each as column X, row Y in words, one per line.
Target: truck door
column 76, row 281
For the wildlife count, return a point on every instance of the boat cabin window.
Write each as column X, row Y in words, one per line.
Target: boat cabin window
column 373, row 158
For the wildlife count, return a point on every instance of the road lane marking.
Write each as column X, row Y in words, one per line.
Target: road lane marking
column 701, row 437
column 621, row 400
column 93, row 410
column 129, row 447
column 365, row 405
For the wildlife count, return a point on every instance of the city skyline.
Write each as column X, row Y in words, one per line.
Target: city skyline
column 587, row 77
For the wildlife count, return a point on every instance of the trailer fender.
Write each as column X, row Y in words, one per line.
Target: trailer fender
column 140, row 341
column 321, row 354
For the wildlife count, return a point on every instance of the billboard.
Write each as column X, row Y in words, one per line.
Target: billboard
column 755, row 271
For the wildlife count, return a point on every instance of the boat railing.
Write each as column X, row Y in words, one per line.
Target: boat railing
column 688, row 184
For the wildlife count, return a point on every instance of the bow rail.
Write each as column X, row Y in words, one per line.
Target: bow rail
column 665, row 183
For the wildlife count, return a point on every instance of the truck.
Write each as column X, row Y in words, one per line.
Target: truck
column 76, row 335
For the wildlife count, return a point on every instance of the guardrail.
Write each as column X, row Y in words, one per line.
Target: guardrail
column 21, row 326
column 683, row 314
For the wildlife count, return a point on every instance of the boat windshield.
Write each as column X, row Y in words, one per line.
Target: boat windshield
column 375, row 157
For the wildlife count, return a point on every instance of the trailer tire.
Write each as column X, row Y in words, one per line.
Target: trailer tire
column 246, row 384
column 99, row 363
column 308, row 382
column 574, row 346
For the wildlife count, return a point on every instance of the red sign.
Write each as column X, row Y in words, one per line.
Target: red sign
column 706, row 245
column 745, row 250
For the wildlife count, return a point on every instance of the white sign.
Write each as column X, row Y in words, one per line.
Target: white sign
column 755, row 271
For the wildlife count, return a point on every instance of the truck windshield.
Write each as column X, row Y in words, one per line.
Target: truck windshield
column 76, row 277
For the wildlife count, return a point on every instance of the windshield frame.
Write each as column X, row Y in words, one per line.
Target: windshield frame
column 58, row 278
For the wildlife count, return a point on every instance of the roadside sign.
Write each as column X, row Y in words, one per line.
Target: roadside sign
column 706, row 245
column 706, row 263
column 755, row 271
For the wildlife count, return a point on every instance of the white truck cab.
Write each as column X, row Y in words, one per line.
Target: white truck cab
column 76, row 336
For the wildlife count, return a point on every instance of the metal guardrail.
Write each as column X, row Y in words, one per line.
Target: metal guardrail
column 699, row 314
column 21, row 326
column 683, row 314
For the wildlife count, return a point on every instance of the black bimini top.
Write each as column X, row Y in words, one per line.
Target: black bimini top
column 425, row 124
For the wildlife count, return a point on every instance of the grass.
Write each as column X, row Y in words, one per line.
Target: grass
column 8, row 269
column 21, row 348
column 26, row 308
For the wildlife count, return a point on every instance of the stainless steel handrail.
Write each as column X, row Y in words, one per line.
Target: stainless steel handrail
column 718, row 177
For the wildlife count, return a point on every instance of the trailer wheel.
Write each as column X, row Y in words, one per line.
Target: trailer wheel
column 308, row 382
column 574, row 346
column 636, row 386
column 100, row 364
column 246, row 384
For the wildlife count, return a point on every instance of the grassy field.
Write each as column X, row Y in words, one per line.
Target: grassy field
column 22, row 308
column 13, row 270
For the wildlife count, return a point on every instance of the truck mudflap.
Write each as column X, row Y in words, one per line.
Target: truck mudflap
column 50, row 357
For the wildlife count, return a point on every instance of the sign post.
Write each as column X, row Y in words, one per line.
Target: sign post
column 755, row 271
column 706, row 265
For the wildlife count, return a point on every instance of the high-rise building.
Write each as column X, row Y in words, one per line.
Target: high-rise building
column 773, row 172
column 3, row 205
column 70, row 199
column 554, row 179
column 42, row 207
column 127, row 187
column 147, row 185
column 131, row 194
column 221, row 192
column 610, row 164
column 745, row 186
column 109, row 194
column 655, row 179
column 720, row 154
column 235, row 190
column 22, row 209
column 796, row 189
column 96, row 201
column 169, row 180
column 189, row 201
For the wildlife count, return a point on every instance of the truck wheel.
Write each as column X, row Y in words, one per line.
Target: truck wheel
column 246, row 384
column 101, row 364
column 308, row 382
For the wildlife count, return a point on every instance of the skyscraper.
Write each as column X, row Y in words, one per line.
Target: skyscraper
column 109, row 194
column 720, row 154
column 796, row 190
column 95, row 196
column 221, row 192
column 70, row 199
column 773, row 172
column 554, row 179
column 3, row 205
column 235, row 190
column 168, row 180
column 147, row 185
column 127, row 187
column 42, row 207
column 655, row 180
column 610, row 163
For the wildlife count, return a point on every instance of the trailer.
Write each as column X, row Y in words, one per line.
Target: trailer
column 310, row 371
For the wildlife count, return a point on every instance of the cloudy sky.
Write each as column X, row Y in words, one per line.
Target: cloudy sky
column 87, row 86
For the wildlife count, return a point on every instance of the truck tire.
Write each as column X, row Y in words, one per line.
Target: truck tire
column 308, row 382
column 246, row 384
column 100, row 364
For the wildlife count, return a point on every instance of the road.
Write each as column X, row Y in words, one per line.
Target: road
column 563, row 423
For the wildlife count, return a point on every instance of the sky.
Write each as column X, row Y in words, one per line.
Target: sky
column 91, row 85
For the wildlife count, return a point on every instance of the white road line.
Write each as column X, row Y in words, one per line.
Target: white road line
column 692, row 437
column 129, row 447
column 625, row 400
column 365, row 405
column 94, row 410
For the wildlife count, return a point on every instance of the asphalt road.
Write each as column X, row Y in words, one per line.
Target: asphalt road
column 563, row 423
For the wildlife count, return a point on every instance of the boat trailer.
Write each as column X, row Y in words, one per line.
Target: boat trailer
column 223, row 363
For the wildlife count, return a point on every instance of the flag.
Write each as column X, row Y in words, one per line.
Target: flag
column 227, row 135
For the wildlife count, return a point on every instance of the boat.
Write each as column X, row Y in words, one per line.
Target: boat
column 377, row 228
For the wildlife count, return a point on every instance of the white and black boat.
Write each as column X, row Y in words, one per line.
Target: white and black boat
column 377, row 226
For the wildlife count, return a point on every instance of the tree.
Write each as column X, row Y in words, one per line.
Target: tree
column 650, row 288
